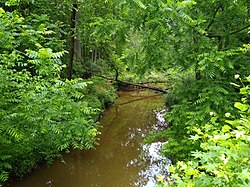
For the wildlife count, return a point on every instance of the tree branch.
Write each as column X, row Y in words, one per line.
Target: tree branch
column 219, row 37
column 212, row 20
column 212, row 35
column 241, row 29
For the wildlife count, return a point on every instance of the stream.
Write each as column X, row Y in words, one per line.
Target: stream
column 121, row 159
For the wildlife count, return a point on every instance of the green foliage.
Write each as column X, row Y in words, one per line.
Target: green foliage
column 204, row 105
column 203, row 41
column 48, row 111
column 101, row 93
column 194, row 99
column 224, row 156
column 100, row 37
column 40, row 114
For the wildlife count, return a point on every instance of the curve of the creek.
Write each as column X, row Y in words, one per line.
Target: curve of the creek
column 121, row 159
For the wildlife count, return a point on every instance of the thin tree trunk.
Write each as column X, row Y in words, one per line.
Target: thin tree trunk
column 95, row 54
column 116, row 73
column 99, row 53
column 197, row 72
column 92, row 54
column 72, row 40
column 79, row 50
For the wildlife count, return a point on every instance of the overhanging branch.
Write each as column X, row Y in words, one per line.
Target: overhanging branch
column 241, row 29
column 212, row 20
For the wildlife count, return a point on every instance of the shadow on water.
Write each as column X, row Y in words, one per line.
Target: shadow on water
column 121, row 159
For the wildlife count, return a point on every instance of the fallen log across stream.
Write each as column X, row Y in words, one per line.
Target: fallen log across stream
column 133, row 84
column 142, row 86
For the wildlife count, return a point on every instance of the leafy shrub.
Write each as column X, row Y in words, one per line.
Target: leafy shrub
column 223, row 158
column 194, row 101
column 40, row 115
column 207, row 149
column 101, row 91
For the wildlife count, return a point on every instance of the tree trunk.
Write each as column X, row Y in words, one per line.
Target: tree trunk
column 219, row 43
column 116, row 74
column 79, row 48
column 197, row 72
column 72, row 40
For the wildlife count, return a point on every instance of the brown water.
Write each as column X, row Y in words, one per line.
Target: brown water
column 121, row 159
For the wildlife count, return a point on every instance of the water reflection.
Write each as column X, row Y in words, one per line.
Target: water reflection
column 156, row 164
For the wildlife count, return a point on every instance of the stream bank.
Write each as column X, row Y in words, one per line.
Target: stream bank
column 121, row 159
